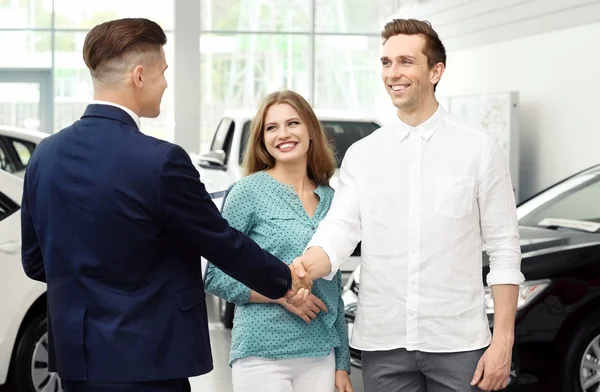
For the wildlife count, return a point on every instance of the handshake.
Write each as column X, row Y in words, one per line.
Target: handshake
column 301, row 285
column 315, row 261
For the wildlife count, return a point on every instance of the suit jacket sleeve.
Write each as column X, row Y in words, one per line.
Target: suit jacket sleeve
column 31, row 254
column 187, row 211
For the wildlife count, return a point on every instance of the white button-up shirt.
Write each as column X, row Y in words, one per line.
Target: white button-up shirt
column 424, row 201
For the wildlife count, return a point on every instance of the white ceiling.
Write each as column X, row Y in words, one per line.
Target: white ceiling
column 463, row 24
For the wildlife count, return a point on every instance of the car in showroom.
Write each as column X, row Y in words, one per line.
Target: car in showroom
column 222, row 166
column 557, row 332
column 23, row 334
column 16, row 147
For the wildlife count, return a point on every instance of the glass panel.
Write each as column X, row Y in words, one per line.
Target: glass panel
column 84, row 14
column 343, row 134
column 580, row 203
column 237, row 72
column 5, row 163
column 19, row 14
column 74, row 90
column 347, row 73
column 26, row 49
column 23, row 148
column 354, row 16
column 265, row 15
column 20, row 105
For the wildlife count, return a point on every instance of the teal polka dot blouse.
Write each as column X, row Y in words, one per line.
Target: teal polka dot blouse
column 272, row 214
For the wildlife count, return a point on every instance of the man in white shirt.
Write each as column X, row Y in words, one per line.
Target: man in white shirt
column 424, row 195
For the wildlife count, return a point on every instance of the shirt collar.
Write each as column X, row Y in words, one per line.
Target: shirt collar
column 135, row 117
column 425, row 129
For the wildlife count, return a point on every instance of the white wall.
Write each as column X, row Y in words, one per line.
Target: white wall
column 557, row 77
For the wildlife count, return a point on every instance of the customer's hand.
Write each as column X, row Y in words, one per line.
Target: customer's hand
column 342, row 381
column 493, row 369
column 309, row 310
column 301, row 287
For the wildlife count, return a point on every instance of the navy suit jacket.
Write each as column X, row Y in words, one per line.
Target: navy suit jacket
column 115, row 223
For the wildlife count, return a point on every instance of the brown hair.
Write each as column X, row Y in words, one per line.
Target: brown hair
column 433, row 49
column 112, row 41
column 321, row 159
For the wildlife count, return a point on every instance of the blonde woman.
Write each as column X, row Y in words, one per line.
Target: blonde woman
column 277, row 347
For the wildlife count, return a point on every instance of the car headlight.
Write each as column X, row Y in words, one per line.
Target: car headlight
column 528, row 291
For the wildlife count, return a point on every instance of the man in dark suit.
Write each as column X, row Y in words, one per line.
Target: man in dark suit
column 116, row 222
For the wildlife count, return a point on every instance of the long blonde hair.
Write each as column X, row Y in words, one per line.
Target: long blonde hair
column 321, row 158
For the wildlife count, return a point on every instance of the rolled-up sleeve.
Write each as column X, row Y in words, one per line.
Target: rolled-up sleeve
column 498, row 217
column 340, row 231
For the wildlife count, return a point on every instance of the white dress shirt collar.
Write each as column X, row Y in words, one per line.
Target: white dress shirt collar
column 425, row 129
column 135, row 117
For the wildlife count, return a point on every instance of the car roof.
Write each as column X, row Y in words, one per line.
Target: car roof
column 11, row 186
column 322, row 114
column 23, row 134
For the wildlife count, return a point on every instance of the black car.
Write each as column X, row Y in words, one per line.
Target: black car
column 557, row 335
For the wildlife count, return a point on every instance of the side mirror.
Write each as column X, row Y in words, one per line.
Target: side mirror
column 213, row 160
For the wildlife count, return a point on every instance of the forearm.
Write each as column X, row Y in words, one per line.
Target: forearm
column 224, row 286
column 505, row 298
column 342, row 353
column 342, row 358
column 261, row 299
column 317, row 263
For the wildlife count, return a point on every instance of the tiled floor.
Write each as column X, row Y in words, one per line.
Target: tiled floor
column 220, row 378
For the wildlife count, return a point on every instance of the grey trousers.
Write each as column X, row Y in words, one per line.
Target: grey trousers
column 415, row 371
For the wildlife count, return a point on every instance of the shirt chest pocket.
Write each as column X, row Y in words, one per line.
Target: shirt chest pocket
column 453, row 196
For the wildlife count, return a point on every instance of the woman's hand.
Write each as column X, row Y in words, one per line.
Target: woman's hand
column 342, row 381
column 308, row 310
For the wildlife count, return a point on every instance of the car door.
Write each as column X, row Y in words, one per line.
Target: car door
column 13, row 282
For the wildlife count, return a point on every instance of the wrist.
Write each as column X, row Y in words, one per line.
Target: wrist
column 316, row 257
column 503, row 338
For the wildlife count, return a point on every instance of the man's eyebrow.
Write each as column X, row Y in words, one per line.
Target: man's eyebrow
column 401, row 57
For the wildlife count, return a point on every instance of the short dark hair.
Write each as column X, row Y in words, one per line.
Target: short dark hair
column 433, row 49
column 115, row 39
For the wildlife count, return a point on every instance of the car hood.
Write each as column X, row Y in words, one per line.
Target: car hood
column 541, row 247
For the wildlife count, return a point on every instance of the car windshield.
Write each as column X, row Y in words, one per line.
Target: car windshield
column 340, row 133
column 572, row 204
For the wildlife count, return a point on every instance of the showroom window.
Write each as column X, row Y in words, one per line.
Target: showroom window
column 48, row 35
column 326, row 50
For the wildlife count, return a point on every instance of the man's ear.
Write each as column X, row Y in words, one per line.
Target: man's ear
column 436, row 73
column 137, row 76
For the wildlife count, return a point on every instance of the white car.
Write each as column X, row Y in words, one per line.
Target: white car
column 16, row 147
column 23, row 335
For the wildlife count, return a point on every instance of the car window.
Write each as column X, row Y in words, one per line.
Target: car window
column 244, row 140
column 578, row 203
column 5, row 162
column 23, row 148
column 343, row 134
column 223, row 136
column 7, row 206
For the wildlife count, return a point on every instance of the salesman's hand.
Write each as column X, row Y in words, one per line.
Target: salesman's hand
column 308, row 310
column 493, row 369
column 301, row 287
